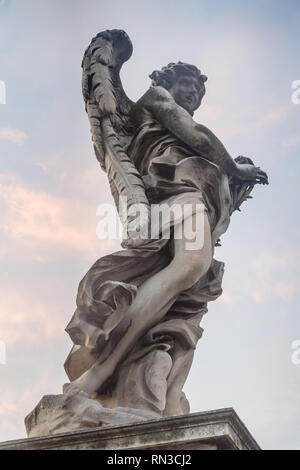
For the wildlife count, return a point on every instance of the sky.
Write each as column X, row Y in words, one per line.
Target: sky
column 51, row 186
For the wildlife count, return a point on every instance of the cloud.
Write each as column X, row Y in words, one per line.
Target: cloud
column 8, row 416
column 15, row 136
column 226, row 298
column 26, row 319
column 7, row 408
column 42, row 220
column 267, row 262
column 285, row 290
column 16, row 403
column 241, row 95
column 242, row 123
column 269, row 275
column 282, row 290
column 292, row 141
column 274, row 275
column 274, row 116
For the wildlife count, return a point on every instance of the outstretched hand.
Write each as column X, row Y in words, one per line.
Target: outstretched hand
column 247, row 171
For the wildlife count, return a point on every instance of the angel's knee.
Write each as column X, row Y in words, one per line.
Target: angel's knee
column 189, row 269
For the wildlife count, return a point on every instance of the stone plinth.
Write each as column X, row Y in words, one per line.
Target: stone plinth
column 208, row 430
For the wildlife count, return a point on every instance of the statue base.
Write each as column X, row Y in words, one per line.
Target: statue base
column 208, row 430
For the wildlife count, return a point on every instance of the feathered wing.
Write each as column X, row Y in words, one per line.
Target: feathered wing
column 108, row 110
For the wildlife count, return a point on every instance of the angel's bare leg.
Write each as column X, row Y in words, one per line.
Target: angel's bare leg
column 153, row 300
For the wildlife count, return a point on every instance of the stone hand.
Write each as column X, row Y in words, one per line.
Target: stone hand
column 251, row 173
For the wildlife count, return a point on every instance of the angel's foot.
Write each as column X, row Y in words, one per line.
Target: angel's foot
column 91, row 381
column 79, row 385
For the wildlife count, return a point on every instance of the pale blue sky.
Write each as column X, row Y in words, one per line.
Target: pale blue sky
column 50, row 187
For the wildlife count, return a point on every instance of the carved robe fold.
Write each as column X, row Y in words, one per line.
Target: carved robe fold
column 172, row 174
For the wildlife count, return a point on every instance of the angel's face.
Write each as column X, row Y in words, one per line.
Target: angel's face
column 187, row 92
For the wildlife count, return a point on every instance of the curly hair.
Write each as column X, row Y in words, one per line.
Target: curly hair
column 169, row 74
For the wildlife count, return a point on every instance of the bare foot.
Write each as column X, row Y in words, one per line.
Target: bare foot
column 91, row 380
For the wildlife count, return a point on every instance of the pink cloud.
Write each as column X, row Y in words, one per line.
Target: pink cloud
column 275, row 274
column 266, row 262
column 7, row 408
column 16, row 403
column 226, row 298
column 25, row 318
column 285, row 290
column 41, row 219
column 15, row 136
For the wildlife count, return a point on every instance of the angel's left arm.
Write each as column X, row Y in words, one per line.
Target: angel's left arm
column 178, row 121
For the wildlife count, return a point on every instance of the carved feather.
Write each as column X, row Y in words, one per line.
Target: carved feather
column 108, row 110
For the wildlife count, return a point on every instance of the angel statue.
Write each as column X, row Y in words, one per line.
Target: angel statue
column 136, row 325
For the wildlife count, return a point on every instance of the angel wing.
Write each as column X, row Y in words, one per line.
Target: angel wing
column 108, row 110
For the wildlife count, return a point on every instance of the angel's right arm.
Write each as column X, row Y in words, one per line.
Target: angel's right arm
column 179, row 122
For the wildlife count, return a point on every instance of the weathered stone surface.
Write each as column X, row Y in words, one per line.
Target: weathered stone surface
column 209, row 430
column 138, row 311
column 136, row 324
column 75, row 410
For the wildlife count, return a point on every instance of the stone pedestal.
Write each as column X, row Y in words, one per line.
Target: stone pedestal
column 209, row 430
